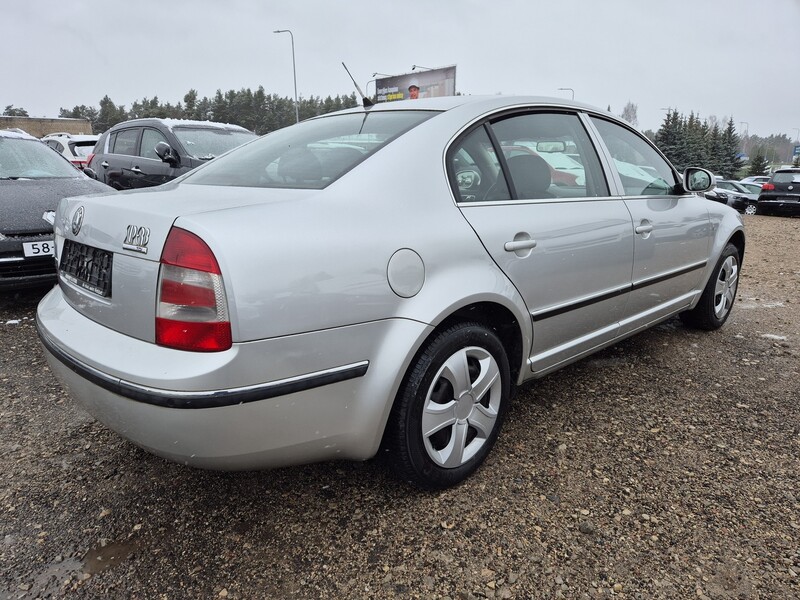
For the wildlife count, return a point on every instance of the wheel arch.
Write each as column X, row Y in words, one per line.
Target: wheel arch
column 738, row 240
column 492, row 315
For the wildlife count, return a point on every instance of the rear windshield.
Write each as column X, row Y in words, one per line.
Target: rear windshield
column 83, row 149
column 786, row 177
column 31, row 159
column 310, row 155
column 206, row 143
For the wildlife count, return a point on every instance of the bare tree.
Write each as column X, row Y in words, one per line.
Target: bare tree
column 629, row 113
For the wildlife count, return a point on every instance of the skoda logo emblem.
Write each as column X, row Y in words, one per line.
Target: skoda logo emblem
column 77, row 220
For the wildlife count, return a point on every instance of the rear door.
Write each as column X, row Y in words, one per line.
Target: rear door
column 115, row 166
column 564, row 242
column 672, row 230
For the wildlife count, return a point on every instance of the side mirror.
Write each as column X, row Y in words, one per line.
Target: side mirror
column 165, row 152
column 90, row 172
column 696, row 179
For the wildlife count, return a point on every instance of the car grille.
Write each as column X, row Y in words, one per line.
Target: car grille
column 87, row 267
column 15, row 265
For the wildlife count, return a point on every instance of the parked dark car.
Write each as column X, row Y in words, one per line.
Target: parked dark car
column 33, row 179
column 146, row 152
column 781, row 194
column 738, row 196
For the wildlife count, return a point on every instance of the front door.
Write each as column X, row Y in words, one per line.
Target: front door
column 672, row 230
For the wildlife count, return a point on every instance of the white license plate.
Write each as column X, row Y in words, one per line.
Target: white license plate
column 32, row 249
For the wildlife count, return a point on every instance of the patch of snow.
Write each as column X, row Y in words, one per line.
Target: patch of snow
column 770, row 336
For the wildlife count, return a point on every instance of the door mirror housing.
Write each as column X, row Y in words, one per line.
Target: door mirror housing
column 165, row 152
column 696, row 179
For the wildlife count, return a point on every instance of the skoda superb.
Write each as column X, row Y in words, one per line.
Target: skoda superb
column 378, row 277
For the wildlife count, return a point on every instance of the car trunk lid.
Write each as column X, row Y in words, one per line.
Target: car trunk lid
column 109, row 248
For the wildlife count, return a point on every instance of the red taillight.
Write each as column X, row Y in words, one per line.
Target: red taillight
column 89, row 159
column 192, row 311
column 767, row 187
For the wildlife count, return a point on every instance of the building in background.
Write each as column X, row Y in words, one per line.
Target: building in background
column 41, row 127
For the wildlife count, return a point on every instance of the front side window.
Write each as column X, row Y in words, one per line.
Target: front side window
column 310, row 155
column 151, row 137
column 643, row 171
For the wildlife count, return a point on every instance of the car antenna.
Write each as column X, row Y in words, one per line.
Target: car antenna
column 364, row 100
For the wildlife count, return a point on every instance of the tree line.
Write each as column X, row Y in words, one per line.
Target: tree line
column 255, row 110
column 688, row 141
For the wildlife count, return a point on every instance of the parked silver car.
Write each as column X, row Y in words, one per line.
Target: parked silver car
column 377, row 277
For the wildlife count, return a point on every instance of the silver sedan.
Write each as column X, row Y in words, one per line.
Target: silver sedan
column 378, row 278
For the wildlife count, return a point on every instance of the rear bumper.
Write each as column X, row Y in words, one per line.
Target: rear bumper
column 776, row 205
column 289, row 400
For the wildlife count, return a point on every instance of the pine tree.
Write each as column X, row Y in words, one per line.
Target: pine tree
column 758, row 164
column 731, row 161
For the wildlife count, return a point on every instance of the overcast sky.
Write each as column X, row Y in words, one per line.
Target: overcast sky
column 724, row 58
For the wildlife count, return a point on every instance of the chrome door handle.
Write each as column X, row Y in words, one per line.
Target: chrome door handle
column 644, row 229
column 136, row 170
column 104, row 164
column 519, row 245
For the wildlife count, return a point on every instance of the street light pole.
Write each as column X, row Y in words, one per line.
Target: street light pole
column 746, row 135
column 569, row 90
column 294, row 73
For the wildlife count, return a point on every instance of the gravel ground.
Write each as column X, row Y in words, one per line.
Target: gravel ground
column 663, row 467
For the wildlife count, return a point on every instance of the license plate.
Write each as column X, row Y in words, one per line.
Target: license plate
column 33, row 249
column 87, row 267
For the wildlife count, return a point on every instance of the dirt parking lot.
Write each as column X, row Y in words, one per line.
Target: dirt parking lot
column 667, row 466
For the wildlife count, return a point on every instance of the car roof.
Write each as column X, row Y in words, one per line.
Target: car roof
column 478, row 103
column 21, row 135
column 75, row 137
column 170, row 123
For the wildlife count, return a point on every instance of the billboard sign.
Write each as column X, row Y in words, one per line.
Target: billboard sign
column 430, row 84
column 796, row 151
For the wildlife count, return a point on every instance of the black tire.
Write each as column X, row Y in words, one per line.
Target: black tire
column 461, row 362
column 719, row 294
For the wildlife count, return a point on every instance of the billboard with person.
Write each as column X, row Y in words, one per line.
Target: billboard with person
column 431, row 83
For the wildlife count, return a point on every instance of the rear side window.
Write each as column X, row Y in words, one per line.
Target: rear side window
column 125, row 142
column 528, row 156
column 310, row 155
column 550, row 155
